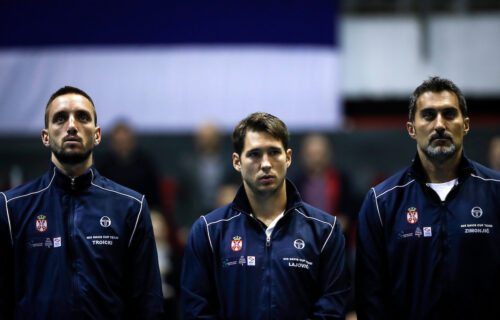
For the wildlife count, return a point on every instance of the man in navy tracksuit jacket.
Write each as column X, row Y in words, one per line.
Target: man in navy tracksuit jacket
column 267, row 255
column 428, row 244
column 76, row 245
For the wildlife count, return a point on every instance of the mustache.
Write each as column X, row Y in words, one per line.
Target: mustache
column 440, row 136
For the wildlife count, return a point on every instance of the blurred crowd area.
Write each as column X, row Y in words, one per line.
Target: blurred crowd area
column 185, row 176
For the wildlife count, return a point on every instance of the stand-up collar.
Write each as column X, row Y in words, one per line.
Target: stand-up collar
column 81, row 182
column 241, row 202
column 465, row 168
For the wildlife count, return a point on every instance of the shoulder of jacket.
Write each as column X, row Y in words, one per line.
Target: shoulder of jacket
column 485, row 174
column 107, row 185
column 396, row 182
column 31, row 188
column 222, row 215
column 315, row 215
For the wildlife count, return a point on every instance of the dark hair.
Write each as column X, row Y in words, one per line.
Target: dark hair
column 436, row 84
column 63, row 91
column 260, row 122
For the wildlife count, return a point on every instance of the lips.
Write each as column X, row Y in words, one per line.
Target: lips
column 72, row 139
column 267, row 178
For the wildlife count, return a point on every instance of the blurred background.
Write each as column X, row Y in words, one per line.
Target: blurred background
column 170, row 80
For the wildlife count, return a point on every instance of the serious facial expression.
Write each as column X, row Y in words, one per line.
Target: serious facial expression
column 263, row 163
column 71, row 133
column 439, row 126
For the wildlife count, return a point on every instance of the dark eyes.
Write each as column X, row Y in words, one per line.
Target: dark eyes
column 258, row 154
column 81, row 116
column 448, row 114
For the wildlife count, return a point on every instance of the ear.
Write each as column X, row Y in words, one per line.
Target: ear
column 288, row 157
column 411, row 129
column 236, row 162
column 97, row 136
column 45, row 138
column 466, row 125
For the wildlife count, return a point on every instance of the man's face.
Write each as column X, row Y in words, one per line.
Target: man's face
column 71, row 133
column 263, row 163
column 439, row 126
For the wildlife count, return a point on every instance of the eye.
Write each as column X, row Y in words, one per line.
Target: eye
column 83, row 116
column 253, row 154
column 428, row 114
column 450, row 113
column 275, row 152
column 59, row 117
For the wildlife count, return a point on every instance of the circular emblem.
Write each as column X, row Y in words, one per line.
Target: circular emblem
column 476, row 212
column 105, row 222
column 299, row 244
column 412, row 215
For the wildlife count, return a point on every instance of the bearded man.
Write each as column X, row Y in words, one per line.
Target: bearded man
column 428, row 241
column 76, row 245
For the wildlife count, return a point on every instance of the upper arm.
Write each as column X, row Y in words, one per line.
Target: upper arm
column 199, row 295
column 371, row 266
column 334, row 278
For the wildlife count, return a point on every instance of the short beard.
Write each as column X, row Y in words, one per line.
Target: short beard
column 440, row 154
column 71, row 158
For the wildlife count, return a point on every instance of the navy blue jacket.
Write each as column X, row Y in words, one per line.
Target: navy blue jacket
column 78, row 248
column 232, row 271
column 422, row 258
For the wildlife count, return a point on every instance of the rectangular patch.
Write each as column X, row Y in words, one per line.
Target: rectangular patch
column 427, row 232
column 251, row 261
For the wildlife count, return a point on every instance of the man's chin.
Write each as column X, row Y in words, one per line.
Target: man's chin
column 72, row 158
column 440, row 153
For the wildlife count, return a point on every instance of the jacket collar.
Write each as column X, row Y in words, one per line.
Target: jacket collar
column 465, row 168
column 241, row 202
column 79, row 183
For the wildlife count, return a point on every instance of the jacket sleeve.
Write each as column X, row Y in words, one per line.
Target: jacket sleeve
column 6, row 264
column 371, row 268
column 334, row 278
column 145, row 298
column 198, row 292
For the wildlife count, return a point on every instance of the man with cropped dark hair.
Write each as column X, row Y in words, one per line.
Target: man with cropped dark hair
column 428, row 238
column 266, row 255
column 76, row 245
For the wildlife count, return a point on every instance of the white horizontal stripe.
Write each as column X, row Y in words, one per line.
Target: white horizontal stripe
column 185, row 84
column 485, row 179
column 401, row 186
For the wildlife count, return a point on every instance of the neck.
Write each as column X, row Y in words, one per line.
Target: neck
column 72, row 170
column 266, row 207
column 440, row 171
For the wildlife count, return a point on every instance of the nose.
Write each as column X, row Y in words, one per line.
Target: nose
column 440, row 122
column 265, row 164
column 71, row 124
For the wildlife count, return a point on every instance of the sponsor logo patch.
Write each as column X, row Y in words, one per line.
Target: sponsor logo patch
column 250, row 261
column 299, row 244
column 427, row 232
column 418, row 232
column 477, row 212
column 105, row 222
column 57, row 242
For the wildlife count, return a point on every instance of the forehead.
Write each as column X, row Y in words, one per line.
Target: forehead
column 71, row 102
column 441, row 99
column 260, row 140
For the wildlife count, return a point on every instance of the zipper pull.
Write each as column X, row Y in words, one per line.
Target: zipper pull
column 73, row 183
column 268, row 241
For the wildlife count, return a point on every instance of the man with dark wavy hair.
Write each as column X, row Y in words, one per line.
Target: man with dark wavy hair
column 266, row 255
column 428, row 241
